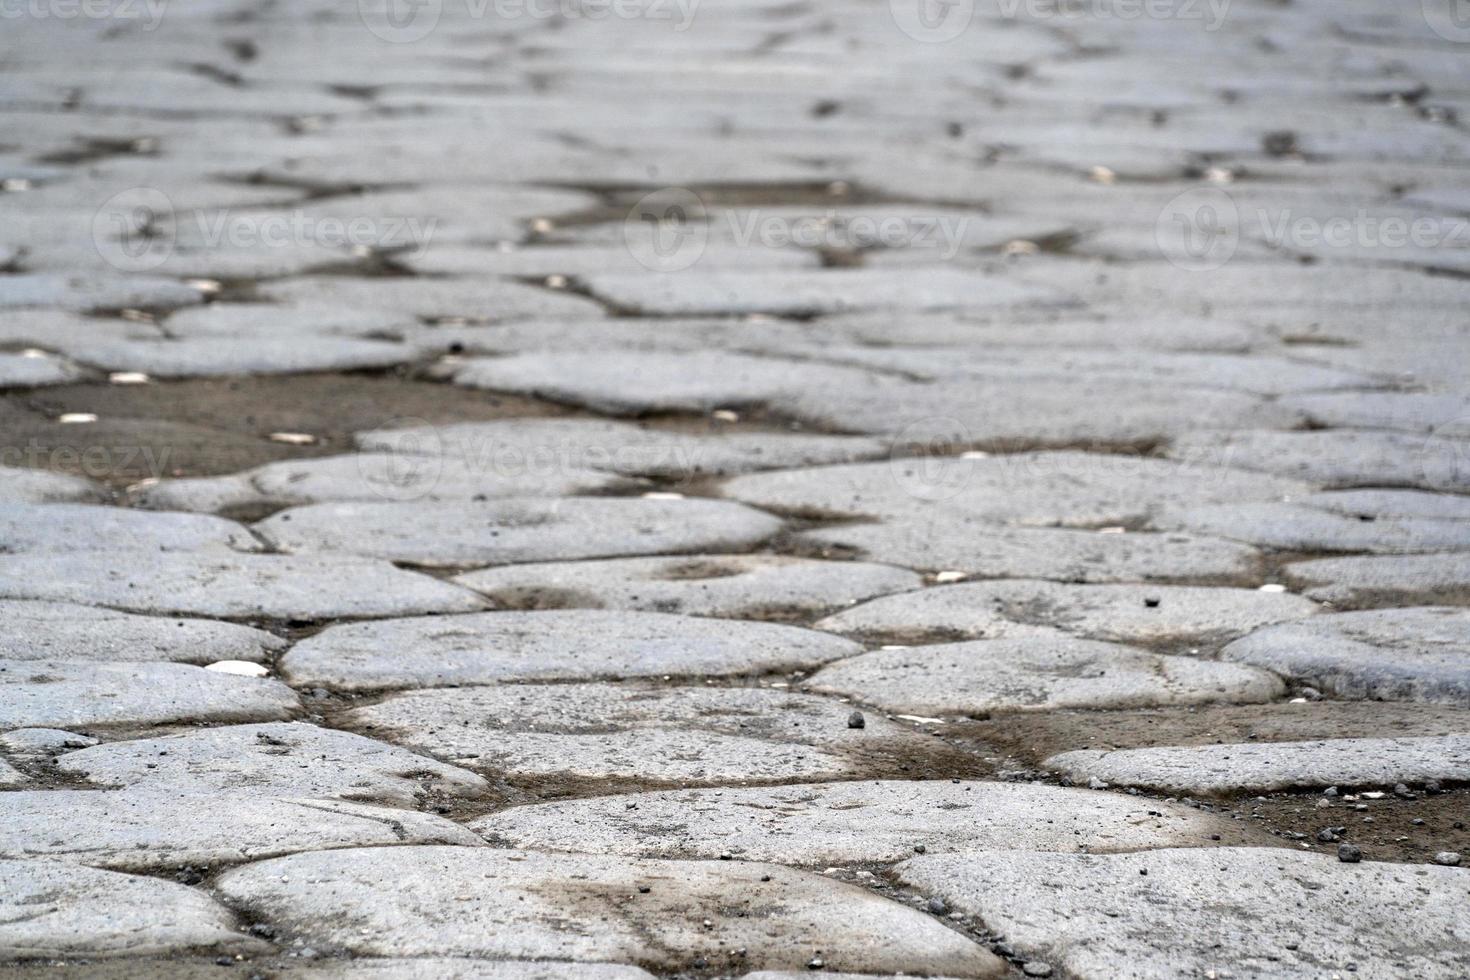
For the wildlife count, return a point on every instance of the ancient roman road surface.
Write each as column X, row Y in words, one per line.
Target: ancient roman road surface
column 611, row 489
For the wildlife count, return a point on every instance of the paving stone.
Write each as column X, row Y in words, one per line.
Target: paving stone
column 517, row 529
column 65, row 631
column 475, row 298
column 793, row 293
column 822, row 824
column 58, row 694
column 1403, row 411
column 1169, row 616
column 1419, row 654
column 23, row 486
column 1384, row 579
column 34, row 370
column 1187, row 912
column 1268, row 767
column 82, row 527
column 53, row 909
column 233, row 586
column 1039, row 671
column 406, row 901
column 735, row 586
column 701, row 735
column 1056, row 489
column 1293, row 527
column 956, row 544
column 144, row 832
column 1391, row 504
column 370, row 477
column 40, row 743
column 1344, row 458
column 282, row 759
column 573, row 644
column 551, row 446
column 84, row 293
column 234, row 320
column 211, row 356
column 11, row 776
column 325, row 968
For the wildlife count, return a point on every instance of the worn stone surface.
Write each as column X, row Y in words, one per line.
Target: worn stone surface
column 1335, row 457
column 950, row 543
column 698, row 735
column 22, row 486
column 79, row 527
column 405, row 901
column 501, row 647
column 1272, row 766
column 1291, row 527
column 55, row 909
column 38, row 743
column 1149, row 615
column 143, row 832
column 62, row 694
column 517, row 530
column 1185, row 912
column 701, row 585
column 67, row 631
column 231, row 587
column 557, row 446
column 1384, row 580
column 842, row 823
column 1037, row 670
column 10, row 776
column 1415, row 654
column 272, row 760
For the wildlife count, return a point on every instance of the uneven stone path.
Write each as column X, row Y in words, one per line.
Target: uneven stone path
column 734, row 488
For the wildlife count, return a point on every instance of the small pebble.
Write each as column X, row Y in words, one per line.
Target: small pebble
column 1450, row 859
column 1349, row 853
column 1036, row 968
column 937, row 906
column 856, row 720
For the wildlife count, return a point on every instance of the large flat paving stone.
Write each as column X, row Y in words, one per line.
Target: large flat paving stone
column 327, row 968
column 473, row 298
column 821, row 824
column 428, row 901
column 1386, row 504
column 82, row 527
column 1415, row 654
column 1054, row 489
column 84, row 293
column 371, row 477
column 950, row 542
column 61, row 694
column 1148, row 615
column 54, row 909
column 1293, row 527
column 272, row 760
column 233, row 586
column 549, row 645
column 516, row 530
column 156, row 831
column 1384, row 579
column 203, row 357
column 67, row 631
column 1258, row 912
column 26, row 486
column 658, row 734
column 10, row 776
column 35, row 370
column 699, row 585
column 1041, row 671
column 1333, row 457
column 1266, row 767
column 553, row 446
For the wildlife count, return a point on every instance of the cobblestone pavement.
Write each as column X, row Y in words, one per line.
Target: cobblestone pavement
column 512, row 489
